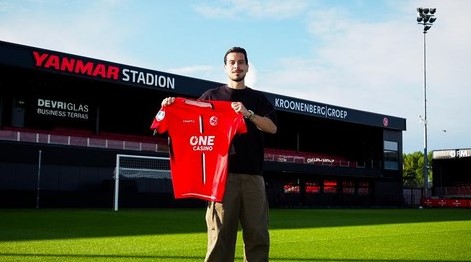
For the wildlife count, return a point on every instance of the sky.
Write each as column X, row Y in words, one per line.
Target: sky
column 366, row 55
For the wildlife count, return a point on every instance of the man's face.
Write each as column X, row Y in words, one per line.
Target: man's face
column 236, row 67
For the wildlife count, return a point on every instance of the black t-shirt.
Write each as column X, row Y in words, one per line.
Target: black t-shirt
column 247, row 149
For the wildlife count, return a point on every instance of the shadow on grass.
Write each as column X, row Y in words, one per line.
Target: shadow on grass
column 31, row 224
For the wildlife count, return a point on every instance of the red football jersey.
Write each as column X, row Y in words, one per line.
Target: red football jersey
column 200, row 137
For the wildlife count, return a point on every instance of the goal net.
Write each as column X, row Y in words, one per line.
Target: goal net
column 139, row 168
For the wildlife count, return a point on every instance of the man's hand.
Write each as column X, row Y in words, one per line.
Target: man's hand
column 168, row 101
column 240, row 108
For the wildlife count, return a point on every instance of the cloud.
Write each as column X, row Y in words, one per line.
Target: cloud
column 251, row 77
column 378, row 67
column 321, row 51
column 260, row 9
column 198, row 71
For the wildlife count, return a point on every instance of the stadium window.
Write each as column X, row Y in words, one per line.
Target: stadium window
column 363, row 188
column 390, row 145
column 348, row 187
column 330, row 186
column 291, row 187
column 313, row 187
column 391, row 155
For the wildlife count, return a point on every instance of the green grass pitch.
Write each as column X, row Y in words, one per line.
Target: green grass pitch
column 179, row 235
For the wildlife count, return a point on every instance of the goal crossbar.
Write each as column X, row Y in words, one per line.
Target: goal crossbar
column 136, row 167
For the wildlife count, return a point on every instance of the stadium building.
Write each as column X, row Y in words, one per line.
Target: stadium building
column 64, row 119
column 451, row 180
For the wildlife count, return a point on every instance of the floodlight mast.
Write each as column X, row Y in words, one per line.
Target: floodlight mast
column 425, row 17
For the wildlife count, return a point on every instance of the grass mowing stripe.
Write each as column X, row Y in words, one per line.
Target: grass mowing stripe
column 386, row 242
column 179, row 235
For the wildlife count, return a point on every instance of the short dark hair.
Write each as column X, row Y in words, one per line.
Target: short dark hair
column 236, row 49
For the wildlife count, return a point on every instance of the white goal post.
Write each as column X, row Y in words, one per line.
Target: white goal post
column 136, row 166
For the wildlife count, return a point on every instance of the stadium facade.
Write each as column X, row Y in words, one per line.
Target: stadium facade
column 451, row 180
column 64, row 118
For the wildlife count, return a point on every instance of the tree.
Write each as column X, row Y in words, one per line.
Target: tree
column 413, row 164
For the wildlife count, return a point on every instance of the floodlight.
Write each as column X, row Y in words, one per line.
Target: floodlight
column 425, row 17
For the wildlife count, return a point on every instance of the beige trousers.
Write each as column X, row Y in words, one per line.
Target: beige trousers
column 245, row 202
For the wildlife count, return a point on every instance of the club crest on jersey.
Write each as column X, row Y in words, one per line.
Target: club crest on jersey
column 160, row 115
column 213, row 120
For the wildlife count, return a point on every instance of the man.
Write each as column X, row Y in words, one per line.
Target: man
column 244, row 199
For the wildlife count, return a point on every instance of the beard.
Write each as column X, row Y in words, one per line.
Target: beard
column 239, row 78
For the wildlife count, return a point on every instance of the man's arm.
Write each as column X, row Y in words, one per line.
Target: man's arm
column 263, row 123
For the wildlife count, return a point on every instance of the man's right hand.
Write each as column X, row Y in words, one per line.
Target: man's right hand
column 168, row 101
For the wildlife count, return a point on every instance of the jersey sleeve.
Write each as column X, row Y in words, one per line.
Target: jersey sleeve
column 159, row 123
